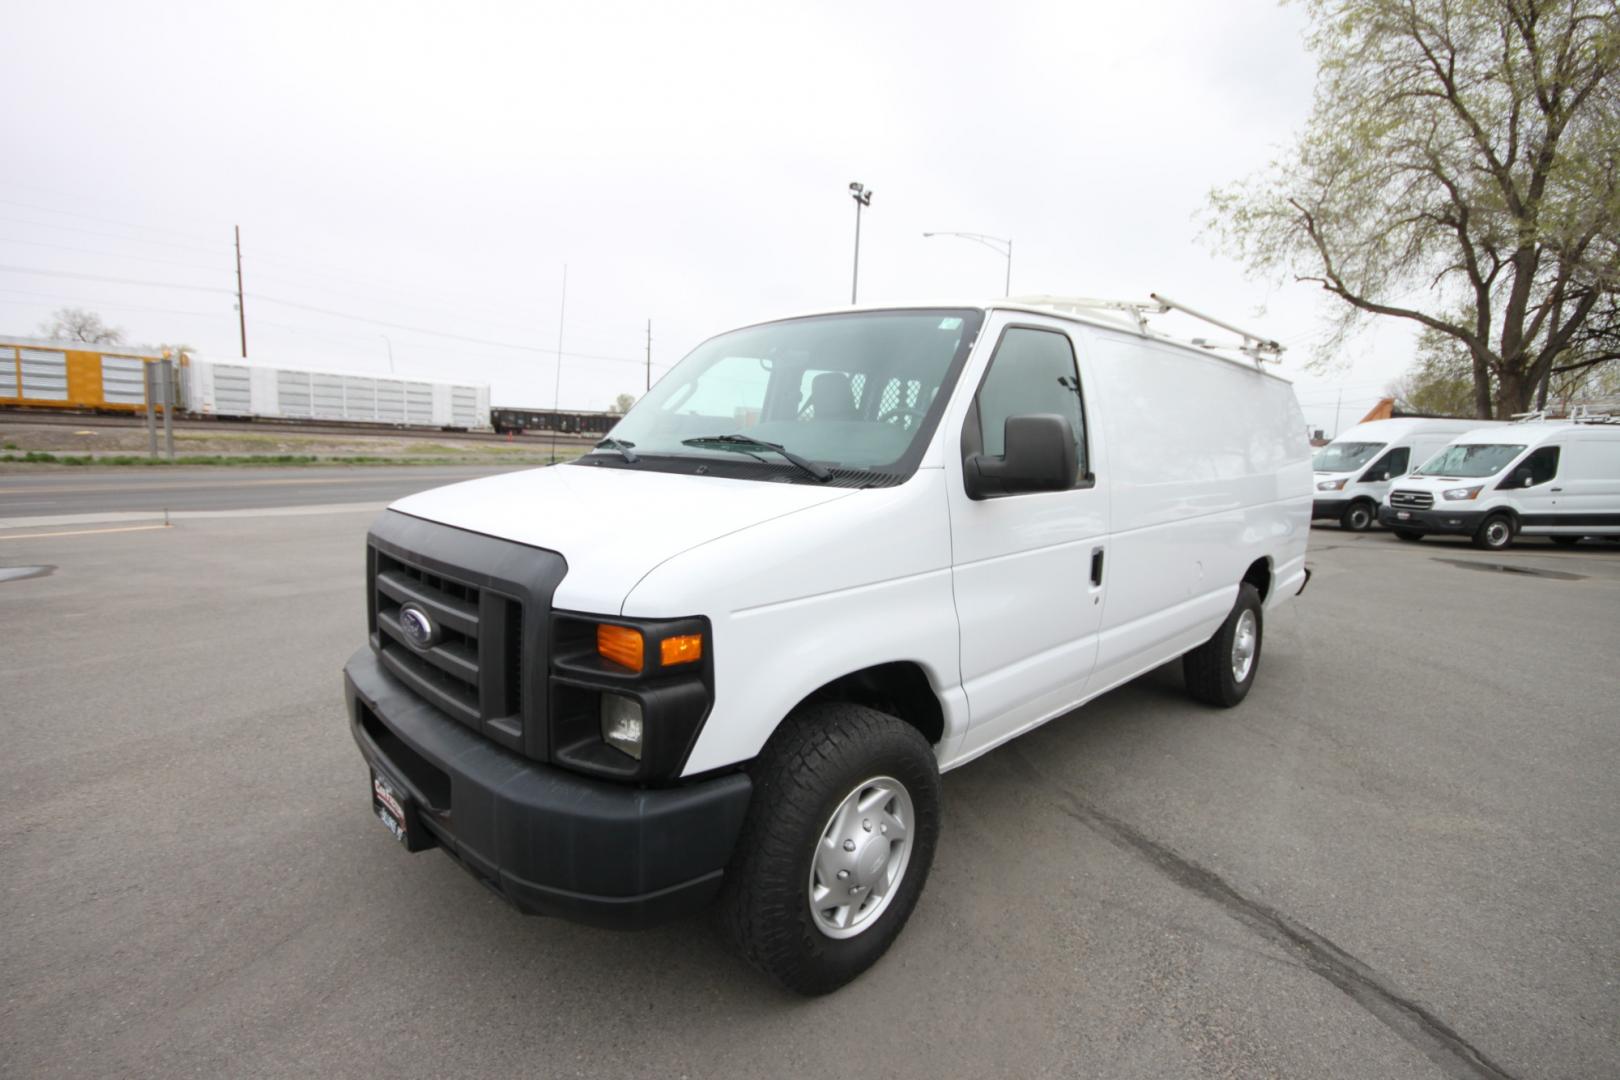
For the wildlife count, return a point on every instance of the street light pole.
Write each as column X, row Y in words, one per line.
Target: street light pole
column 862, row 197
column 1001, row 245
column 390, row 353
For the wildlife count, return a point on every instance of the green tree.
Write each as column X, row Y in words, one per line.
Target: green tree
column 77, row 324
column 622, row 403
column 1458, row 170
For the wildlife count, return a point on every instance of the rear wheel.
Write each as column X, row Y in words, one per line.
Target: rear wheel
column 1495, row 533
column 838, row 843
column 1407, row 534
column 1358, row 516
column 1566, row 541
column 1221, row 670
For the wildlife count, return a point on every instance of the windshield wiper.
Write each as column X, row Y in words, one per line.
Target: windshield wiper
column 621, row 446
column 748, row 442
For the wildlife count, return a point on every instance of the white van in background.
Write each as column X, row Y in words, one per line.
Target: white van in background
column 1558, row 479
column 1353, row 472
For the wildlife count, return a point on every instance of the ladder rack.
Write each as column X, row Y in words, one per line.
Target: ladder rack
column 1256, row 347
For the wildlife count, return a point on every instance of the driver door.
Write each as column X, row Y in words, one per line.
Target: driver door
column 1028, row 569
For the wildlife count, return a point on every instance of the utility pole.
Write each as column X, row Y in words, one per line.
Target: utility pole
column 556, row 392
column 649, row 354
column 241, row 311
column 862, row 197
column 1336, row 408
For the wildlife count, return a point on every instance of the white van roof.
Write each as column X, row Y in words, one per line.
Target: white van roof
column 1392, row 430
column 1532, row 432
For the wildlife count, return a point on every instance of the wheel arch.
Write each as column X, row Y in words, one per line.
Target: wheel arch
column 900, row 688
column 1259, row 575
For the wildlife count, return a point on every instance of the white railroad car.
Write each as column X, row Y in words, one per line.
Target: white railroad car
column 226, row 388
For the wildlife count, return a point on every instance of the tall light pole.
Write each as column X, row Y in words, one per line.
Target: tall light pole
column 862, row 197
column 390, row 352
column 1001, row 245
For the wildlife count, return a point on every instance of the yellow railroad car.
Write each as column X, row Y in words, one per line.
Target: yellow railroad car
column 59, row 375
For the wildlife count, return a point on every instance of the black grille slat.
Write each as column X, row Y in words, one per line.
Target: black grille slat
column 452, row 611
column 445, row 691
column 454, row 658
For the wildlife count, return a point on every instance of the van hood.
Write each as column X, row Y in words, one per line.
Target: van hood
column 611, row 525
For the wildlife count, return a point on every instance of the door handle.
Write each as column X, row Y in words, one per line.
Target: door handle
column 1096, row 566
column 1555, row 489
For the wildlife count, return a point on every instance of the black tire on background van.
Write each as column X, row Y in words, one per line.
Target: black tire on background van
column 1359, row 516
column 1495, row 533
column 1221, row 670
column 1566, row 541
column 1407, row 534
column 821, row 884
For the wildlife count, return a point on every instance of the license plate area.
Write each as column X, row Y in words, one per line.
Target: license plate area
column 398, row 813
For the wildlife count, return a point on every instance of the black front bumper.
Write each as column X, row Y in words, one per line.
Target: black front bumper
column 550, row 841
column 1328, row 508
column 1431, row 521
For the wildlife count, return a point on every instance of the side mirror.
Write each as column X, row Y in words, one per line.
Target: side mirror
column 1040, row 456
column 1521, row 478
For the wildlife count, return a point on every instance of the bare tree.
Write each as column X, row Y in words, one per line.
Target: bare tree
column 1461, row 170
column 77, row 324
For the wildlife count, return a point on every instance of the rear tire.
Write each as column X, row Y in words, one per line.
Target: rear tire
column 1407, row 534
column 1358, row 516
column 1221, row 670
column 1495, row 533
column 831, row 788
column 1565, row 541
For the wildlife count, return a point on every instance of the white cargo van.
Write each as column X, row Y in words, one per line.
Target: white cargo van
column 1558, row 479
column 1353, row 472
column 728, row 652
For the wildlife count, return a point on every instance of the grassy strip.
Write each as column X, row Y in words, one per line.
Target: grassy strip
column 36, row 457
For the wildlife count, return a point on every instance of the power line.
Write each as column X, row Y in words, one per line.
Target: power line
column 107, row 254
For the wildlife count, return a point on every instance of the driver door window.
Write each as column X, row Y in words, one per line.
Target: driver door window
column 1032, row 371
column 1542, row 464
column 1388, row 467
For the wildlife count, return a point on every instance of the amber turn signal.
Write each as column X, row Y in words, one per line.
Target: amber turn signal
column 620, row 644
column 686, row 649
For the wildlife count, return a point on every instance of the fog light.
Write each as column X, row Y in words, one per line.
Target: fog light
column 621, row 724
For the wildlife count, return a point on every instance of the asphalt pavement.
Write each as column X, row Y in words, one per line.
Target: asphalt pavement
column 153, row 489
column 1396, row 859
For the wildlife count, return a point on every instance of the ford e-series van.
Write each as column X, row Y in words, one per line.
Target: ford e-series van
column 1556, row 479
column 726, row 654
column 1354, row 471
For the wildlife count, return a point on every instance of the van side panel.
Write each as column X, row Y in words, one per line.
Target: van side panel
column 800, row 600
column 1210, row 470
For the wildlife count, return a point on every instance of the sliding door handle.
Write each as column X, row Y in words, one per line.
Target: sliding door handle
column 1096, row 567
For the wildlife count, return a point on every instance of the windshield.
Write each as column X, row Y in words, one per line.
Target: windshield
column 1344, row 456
column 1470, row 459
column 845, row 391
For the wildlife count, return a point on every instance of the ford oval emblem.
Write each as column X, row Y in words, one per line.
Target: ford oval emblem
column 419, row 629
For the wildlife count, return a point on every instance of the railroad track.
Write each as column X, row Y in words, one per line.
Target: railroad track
column 85, row 419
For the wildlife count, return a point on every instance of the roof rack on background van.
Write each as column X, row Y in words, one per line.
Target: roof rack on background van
column 1255, row 347
column 1578, row 414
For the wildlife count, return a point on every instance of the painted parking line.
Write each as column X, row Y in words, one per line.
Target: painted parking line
column 84, row 532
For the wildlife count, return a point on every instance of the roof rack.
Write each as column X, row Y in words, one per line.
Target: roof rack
column 1254, row 346
column 1578, row 414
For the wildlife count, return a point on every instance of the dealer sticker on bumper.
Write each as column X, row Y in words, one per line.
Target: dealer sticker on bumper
column 389, row 805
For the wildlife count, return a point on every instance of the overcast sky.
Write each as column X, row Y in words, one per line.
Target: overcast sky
column 406, row 168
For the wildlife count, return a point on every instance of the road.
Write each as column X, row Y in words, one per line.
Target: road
column 137, row 489
column 1396, row 859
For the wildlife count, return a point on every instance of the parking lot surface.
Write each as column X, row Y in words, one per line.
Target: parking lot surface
column 1397, row 858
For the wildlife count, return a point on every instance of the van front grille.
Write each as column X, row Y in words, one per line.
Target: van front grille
column 1411, row 500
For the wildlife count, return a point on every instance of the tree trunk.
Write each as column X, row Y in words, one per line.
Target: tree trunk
column 1482, row 384
column 1512, row 394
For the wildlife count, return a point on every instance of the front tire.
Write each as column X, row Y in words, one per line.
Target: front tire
column 1495, row 533
column 1221, row 670
column 837, row 846
column 1358, row 517
column 1407, row 534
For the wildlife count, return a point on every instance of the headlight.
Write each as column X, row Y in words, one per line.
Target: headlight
column 1457, row 494
column 1331, row 485
column 621, row 724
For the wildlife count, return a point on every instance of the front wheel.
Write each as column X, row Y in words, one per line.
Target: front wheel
column 1221, row 670
column 1495, row 533
column 838, row 843
column 1357, row 517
